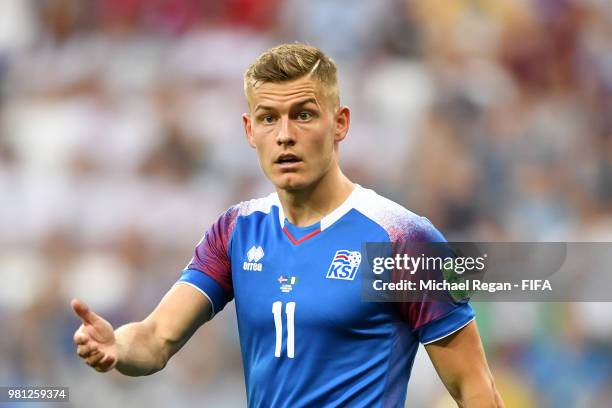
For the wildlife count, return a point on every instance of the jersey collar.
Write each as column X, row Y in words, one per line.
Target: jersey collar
column 327, row 220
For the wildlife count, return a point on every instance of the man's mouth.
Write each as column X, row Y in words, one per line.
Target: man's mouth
column 287, row 159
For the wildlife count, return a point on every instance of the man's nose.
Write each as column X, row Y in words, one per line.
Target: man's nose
column 285, row 134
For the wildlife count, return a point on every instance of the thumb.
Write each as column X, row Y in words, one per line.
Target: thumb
column 83, row 311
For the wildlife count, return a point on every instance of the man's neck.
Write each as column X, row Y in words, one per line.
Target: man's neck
column 307, row 206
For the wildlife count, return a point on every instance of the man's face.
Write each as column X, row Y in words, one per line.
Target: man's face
column 295, row 128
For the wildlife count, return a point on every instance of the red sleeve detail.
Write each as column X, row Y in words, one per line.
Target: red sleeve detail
column 417, row 312
column 211, row 254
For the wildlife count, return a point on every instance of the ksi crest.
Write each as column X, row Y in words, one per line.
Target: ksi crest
column 344, row 265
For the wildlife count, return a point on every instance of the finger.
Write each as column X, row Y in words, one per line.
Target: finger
column 101, row 369
column 94, row 359
column 86, row 350
column 83, row 351
column 107, row 363
column 80, row 337
column 83, row 311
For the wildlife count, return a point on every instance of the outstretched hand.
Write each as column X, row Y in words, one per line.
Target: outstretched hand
column 95, row 339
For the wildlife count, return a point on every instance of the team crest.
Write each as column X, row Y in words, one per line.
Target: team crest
column 344, row 265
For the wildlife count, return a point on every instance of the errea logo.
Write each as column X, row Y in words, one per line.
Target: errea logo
column 253, row 256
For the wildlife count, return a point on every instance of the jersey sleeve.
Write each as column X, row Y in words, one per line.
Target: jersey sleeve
column 209, row 271
column 431, row 320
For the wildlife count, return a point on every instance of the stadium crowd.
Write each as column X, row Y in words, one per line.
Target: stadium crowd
column 121, row 141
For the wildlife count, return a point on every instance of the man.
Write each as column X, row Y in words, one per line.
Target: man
column 306, row 337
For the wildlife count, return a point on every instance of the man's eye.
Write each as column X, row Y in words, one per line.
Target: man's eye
column 268, row 119
column 304, row 115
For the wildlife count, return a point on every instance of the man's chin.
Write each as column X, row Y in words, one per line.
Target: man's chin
column 290, row 182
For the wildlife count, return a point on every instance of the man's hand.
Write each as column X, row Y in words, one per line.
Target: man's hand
column 141, row 348
column 95, row 339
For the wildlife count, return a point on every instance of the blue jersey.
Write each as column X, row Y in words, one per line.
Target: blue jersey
column 307, row 338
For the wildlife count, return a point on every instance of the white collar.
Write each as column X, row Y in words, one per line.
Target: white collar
column 333, row 216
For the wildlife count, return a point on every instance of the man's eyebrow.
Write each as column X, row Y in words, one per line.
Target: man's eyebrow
column 309, row 100
column 263, row 107
column 300, row 103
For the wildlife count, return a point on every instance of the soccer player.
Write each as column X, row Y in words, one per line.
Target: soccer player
column 290, row 261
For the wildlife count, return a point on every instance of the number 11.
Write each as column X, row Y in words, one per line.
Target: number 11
column 278, row 325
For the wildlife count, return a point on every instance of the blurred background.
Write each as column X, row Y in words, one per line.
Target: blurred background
column 121, row 141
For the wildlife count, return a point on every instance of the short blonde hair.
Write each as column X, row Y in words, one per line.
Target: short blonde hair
column 287, row 62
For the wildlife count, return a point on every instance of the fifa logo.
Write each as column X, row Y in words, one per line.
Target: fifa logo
column 253, row 256
column 344, row 265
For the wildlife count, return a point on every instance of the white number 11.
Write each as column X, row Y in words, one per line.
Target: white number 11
column 278, row 325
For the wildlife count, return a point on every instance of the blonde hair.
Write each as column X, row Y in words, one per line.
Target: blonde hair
column 287, row 62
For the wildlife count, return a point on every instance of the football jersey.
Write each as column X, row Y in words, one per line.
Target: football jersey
column 306, row 336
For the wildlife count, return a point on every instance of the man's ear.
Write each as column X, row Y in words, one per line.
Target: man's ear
column 248, row 129
column 343, row 120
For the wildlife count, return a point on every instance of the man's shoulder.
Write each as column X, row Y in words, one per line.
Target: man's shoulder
column 255, row 205
column 227, row 221
column 399, row 222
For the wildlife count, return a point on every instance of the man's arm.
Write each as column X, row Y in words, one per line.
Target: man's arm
column 141, row 348
column 460, row 361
